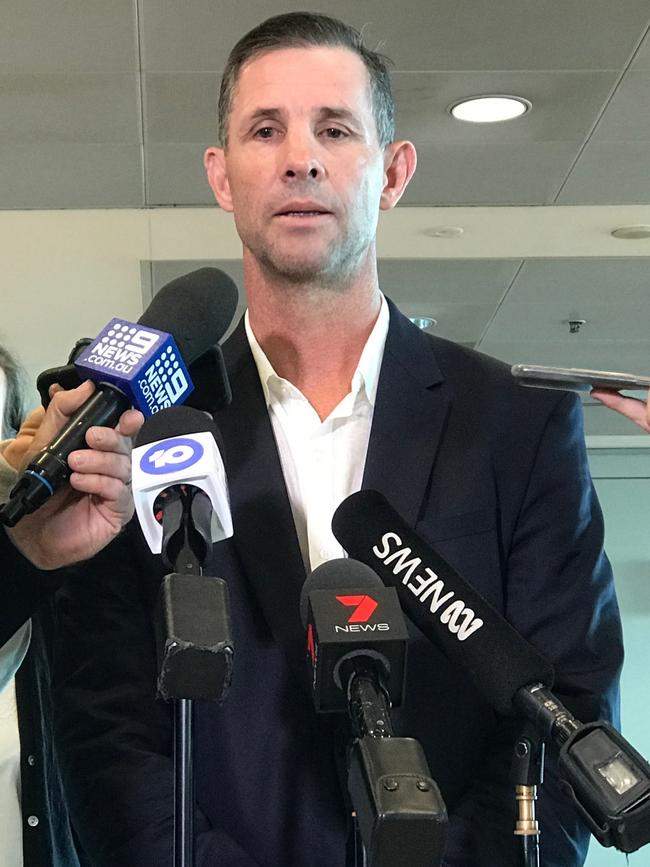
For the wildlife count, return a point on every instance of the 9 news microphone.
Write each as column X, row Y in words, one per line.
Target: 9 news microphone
column 608, row 780
column 136, row 364
column 181, row 500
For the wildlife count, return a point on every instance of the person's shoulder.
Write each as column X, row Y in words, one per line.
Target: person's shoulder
column 482, row 376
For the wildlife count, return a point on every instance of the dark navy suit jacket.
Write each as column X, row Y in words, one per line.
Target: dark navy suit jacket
column 495, row 477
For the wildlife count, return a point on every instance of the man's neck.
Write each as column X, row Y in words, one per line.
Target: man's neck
column 313, row 336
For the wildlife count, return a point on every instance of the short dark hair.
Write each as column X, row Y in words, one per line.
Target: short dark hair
column 303, row 30
column 14, row 409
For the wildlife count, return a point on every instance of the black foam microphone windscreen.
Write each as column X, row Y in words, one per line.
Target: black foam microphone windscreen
column 196, row 309
column 446, row 608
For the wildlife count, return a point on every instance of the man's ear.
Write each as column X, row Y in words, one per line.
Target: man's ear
column 400, row 161
column 214, row 161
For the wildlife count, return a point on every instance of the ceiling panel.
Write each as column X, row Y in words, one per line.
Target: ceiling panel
column 426, row 284
column 175, row 175
column 70, row 175
column 445, row 34
column 482, row 174
column 583, row 281
column 642, row 58
column 68, row 36
column 627, row 118
column 181, row 107
column 628, row 356
column 609, row 173
column 605, row 321
column 69, row 108
column 563, row 105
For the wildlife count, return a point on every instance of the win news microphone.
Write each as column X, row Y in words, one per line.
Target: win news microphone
column 137, row 364
column 356, row 642
column 181, row 500
column 608, row 780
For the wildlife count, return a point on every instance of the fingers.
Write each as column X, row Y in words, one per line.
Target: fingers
column 631, row 407
column 61, row 407
column 111, row 464
column 130, row 423
column 109, row 490
column 116, row 439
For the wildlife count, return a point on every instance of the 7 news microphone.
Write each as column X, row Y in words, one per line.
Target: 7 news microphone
column 608, row 780
column 141, row 364
column 181, row 500
column 356, row 641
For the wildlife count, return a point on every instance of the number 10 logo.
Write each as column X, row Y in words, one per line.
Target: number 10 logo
column 171, row 455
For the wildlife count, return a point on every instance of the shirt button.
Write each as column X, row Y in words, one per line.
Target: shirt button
column 31, row 761
column 32, row 821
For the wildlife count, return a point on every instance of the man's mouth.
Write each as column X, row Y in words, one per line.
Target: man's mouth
column 302, row 210
column 302, row 213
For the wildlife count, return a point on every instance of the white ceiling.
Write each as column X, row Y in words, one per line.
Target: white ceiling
column 110, row 105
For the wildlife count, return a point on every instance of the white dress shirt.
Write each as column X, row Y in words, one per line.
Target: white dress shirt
column 322, row 461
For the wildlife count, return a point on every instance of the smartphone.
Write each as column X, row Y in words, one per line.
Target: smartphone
column 577, row 378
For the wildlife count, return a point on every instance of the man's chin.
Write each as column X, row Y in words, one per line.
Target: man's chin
column 298, row 271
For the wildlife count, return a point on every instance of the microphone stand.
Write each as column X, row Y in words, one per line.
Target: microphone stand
column 527, row 773
column 398, row 809
column 196, row 649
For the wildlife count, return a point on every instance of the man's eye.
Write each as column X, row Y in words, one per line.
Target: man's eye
column 264, row 132
column 334, row 132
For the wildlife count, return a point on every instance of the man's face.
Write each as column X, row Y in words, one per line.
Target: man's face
column 304, row 170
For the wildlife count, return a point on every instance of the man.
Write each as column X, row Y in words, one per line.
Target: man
column 333, row 390
column 72, row 526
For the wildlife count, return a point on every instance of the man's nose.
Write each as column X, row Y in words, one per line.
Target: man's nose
column 301, row 159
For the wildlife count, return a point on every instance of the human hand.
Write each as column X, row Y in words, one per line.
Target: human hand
column 631, row 407
column 16, row 449
column 83, row 516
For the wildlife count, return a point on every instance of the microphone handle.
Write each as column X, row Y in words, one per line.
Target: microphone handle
column 49, row 469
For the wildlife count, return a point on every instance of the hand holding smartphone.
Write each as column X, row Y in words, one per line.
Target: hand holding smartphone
column 577, row 378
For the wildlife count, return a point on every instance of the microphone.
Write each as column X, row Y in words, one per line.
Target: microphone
column 178, row 446
column 353, row 622
column 136, row 364
column 605, row 776
column 356, row 639
column 448, row 610
column 179, row 478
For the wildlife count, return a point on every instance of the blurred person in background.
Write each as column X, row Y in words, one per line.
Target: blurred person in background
column 72, row 526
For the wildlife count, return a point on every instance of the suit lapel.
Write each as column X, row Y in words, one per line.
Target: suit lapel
column 264, row 532
column 409, row 418
column 408, row 422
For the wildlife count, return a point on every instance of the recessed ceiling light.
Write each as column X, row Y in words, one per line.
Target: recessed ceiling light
column 423, row 322
column 631, row 233
column 490, row 109
column 444, row 232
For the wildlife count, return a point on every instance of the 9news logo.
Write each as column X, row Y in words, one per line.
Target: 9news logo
column 171, row 456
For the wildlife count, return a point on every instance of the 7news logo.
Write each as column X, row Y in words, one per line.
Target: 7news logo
column 364, row 607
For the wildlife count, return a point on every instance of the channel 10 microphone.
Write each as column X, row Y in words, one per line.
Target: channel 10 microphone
column 608, row 780
column 133, row 364
column 178, row 446
column 181, row 501
column 352, row 619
